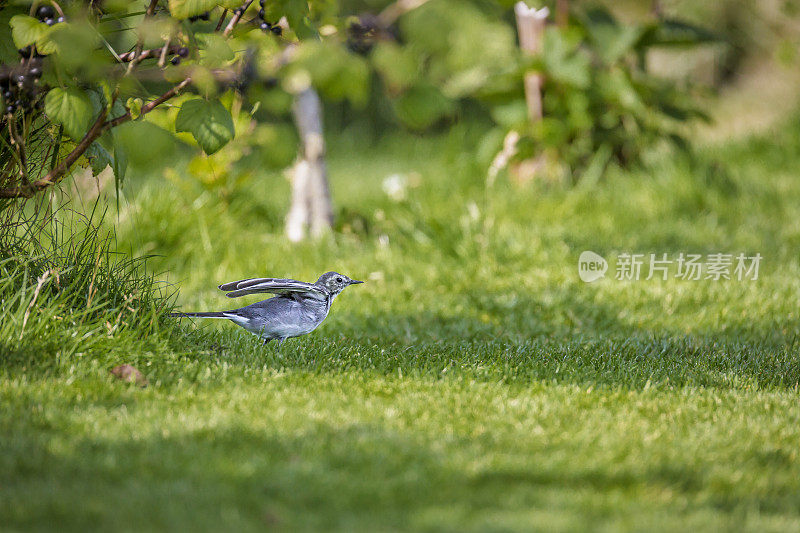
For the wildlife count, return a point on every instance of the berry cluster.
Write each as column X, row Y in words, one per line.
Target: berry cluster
column 182, row 52
column 47, row 14
column 20, row 86
column 265, row 25
column 363, row 33
column 201, row 16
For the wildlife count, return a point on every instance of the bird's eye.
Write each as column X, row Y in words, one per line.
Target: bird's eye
column 338, row 280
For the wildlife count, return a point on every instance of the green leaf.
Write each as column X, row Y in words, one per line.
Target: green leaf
column 71, row 108
column 135, row 107
column 183, row 9
column 614, row 42
column 119, row 166
column 119, row 161
column 423, row 106
column 512, row 115
column 98, row 157
column 334, row 72
column 677, row 33
column 215, row 51
column 296, row 12
column 27, row 30
column 562, row 60
column 76, row 44
column 209, row 123
column 398, row 66
column 489, row 145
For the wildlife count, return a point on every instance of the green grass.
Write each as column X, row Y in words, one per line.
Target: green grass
column 473, row 383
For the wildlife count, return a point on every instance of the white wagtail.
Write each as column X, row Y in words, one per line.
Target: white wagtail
column 296, row 309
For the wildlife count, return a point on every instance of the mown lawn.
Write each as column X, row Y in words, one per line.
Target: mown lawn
column 473, row 383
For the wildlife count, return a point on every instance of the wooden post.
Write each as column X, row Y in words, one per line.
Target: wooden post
column 530, row 25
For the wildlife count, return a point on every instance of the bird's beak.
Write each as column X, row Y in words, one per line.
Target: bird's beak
column 354, row 282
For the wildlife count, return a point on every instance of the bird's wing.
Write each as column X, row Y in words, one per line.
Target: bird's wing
column 272, row 286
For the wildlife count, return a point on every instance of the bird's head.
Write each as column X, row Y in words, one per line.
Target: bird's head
column 335, row 283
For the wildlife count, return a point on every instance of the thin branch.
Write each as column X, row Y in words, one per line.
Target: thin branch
column 150, row 105
column 394, row 11
column 237, row 14
column 164, row 51
column 221, row 20
column 58, row 7
column 100, row 125
column 55, row 175
column 144, row 54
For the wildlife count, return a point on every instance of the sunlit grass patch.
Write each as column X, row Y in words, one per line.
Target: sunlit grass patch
column 474, row 382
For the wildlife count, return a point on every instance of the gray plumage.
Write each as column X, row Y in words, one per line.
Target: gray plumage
column 296, row 309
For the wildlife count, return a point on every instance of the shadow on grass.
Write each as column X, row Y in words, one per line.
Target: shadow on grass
column 325, row 477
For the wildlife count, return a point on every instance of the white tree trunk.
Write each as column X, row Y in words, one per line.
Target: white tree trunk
column 311, row 199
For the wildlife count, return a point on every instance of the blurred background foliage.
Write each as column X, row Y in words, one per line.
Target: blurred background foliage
column 622, row 80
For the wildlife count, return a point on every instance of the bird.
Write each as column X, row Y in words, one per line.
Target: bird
column 296, row 309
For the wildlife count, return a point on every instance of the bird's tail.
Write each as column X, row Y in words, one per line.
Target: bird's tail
column 209, row 314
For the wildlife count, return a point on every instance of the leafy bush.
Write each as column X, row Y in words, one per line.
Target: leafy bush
column 600, row 104
column 111, row 84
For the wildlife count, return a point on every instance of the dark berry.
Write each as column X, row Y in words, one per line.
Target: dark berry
column 261, row 14
column 45, row 12
column 35, row 72
column 26, row 52
column 261, row 2
column 362, row 35
column 277, row 30
column 49, row 22
column 183, row 51
column 175, row 60
column 10, row 109
column 264, row 26
column 8, row 95
column 60, row 19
